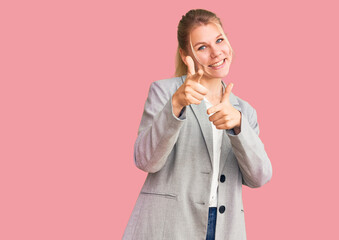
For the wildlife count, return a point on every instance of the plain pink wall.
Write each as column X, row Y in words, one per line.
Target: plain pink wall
column 74, row 80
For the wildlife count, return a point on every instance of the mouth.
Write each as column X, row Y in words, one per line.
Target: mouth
column 218, row 65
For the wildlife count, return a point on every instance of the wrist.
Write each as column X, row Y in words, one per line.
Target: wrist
column 175, row 102
column 239, row 124
column 176, row 107
column 237, row 128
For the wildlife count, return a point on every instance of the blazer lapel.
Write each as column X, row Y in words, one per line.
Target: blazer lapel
column 200, row 113
column 206, row 128
column 205, row 125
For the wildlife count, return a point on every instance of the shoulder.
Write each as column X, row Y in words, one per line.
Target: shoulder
column 249, row 112
column 165, row 88
column 245, row 107
column 168, row 84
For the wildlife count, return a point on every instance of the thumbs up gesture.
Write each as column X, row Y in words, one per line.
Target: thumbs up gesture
column 225, row 116
column 191, row 91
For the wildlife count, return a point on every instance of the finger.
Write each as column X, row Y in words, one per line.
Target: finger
column 201, row 73
column 197, row 95
column 193, row 100
column 198, row 76
column 216, row 116
column 222, row 126
column 228, row 90
column 201, row 89
column 214, row 109
column 190, row 66
column 219, row 121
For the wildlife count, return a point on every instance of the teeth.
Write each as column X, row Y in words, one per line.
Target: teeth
column 217, row 64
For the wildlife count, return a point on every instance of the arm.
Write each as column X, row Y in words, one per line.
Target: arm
column 253, row 161
column 158, row 131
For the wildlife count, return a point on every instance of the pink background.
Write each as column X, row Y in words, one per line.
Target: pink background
column 74, row 80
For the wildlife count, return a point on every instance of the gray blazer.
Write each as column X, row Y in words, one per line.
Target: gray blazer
column 177, row 153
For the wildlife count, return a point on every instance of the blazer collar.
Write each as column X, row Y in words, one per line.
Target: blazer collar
column 200, row 113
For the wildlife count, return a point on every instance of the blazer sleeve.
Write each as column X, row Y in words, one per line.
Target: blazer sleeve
column 158, row 131
column 253, row 161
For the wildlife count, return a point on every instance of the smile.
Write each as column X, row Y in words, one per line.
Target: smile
column 218, row 64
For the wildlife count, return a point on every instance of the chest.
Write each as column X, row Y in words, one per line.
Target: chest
column 212, row 101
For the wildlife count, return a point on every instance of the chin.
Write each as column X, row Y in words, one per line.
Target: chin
column 215, row 74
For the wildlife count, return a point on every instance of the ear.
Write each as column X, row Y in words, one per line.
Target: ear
column 183, row 55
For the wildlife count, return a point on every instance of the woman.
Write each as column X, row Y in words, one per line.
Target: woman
column 199, row 144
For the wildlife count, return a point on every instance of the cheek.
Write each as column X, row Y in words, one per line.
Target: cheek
column 226, row 50
column 198, row 63
column 204, row 59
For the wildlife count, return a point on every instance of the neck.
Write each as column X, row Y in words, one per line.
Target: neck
column 213, row 85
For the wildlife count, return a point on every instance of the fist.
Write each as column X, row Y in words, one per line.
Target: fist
column 191, row 91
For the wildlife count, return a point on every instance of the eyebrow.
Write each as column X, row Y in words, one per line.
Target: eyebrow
column 204, row 42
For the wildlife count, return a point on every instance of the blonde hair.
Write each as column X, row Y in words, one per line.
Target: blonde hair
column 191, row 19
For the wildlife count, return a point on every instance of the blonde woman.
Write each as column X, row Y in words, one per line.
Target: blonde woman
column 199, row 144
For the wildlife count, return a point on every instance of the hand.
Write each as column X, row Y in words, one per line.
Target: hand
column 225, row 115
column 191, row 91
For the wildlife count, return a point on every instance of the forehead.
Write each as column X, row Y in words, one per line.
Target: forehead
column 205, row 33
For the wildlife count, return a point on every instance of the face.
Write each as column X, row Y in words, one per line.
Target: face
column 211, row 51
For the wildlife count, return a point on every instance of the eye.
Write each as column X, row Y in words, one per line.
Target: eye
column 220, row 39
column 201, row 48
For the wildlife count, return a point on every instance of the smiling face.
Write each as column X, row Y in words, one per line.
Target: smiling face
column 210, row 50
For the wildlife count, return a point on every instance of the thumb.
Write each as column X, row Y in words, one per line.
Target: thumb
column 190, row 66
column 228, row 90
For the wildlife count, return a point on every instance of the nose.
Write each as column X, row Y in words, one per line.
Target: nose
column 215, row 51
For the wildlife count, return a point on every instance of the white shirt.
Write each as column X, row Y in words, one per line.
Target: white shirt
column 217, row 140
